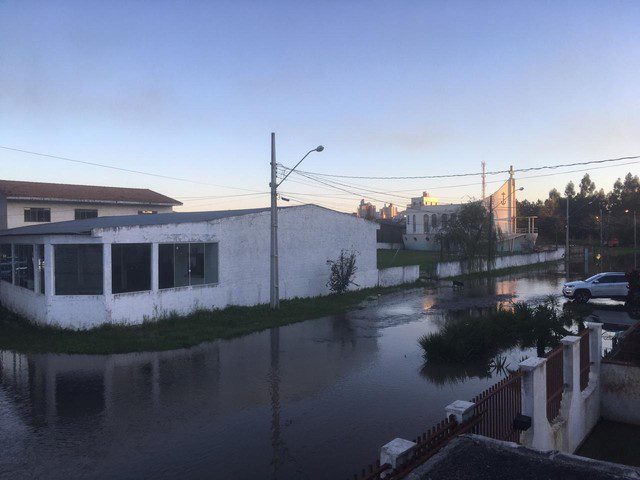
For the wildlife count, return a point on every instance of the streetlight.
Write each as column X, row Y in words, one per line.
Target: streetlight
column 274, row 184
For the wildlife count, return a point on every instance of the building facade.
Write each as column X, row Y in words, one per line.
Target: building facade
column 32, row 203
column 126, row 269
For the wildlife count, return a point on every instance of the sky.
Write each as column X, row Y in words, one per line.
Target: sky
column 194, row 89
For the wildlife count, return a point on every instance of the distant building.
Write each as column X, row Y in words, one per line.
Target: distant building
column 388, row 212
column 367, row 210
column 425, row 218
column 31, row 203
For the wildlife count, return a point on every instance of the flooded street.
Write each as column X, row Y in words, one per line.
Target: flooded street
column 312, row 400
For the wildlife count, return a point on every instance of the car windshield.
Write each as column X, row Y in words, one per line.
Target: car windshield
column 590, row 279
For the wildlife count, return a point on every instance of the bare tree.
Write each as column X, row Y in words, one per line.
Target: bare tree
column 342, row 271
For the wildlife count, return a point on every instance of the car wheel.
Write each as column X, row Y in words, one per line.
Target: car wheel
column 582, row 296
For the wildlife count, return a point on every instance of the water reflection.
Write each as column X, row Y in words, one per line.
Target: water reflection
column 311, row 400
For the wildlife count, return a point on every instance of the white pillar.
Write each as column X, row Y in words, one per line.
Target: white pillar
column 595, row 345
column 534, row 403
column 461, row 410
column 154, row 267
column 571, row 362
column 397, row 452
column 106, row 269
column 36, row 268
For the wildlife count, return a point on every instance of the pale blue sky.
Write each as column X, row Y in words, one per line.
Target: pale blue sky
column 193, row 89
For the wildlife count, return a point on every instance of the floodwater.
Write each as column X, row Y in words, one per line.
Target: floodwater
column 313, row 400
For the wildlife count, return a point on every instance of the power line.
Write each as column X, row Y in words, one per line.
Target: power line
column 140, row 172
column 455, row 175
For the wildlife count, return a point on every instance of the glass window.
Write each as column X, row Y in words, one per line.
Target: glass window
column 414, row 224
column 130, row 267
column 444, row 219
column 37, row 214
column 41, row 266
column 6, row 263
column 24, row 276
column 196, row 263
column 83, row 213
column 78, row 269
column 165, row 265
column 211, row 263
column 183, row 264
column 434, row 221
column 607, row 279
column 147, row 212
column 425, row 223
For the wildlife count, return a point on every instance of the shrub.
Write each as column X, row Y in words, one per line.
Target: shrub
column 342, row 271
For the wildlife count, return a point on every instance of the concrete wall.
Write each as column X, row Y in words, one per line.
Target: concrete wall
column 61, row 212
column 453, row 269
column 388, row 277
column 390, row 246
column 579, row 410
column 308, row 237
column 621, row 393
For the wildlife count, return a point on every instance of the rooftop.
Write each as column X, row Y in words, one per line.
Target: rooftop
column 471, row 457
column 84, row 227
column 16, row 190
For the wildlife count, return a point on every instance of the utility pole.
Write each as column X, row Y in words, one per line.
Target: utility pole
column 601, row 223
column 512, row 201
column 274, row 283
column 484, row 180
column 566, row 247
column 490, row 256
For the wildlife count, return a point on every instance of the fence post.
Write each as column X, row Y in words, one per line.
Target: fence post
column 534, row 403
column 571, row 361
column 461, row 410
column 595, row 345
column 397, row 452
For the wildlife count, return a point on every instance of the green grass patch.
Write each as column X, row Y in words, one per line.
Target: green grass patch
column 174, row 331
column 401, row 258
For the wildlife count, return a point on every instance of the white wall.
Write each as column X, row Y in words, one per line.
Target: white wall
column 388, row 277
column 308, row 237
column 453, row 269
column 61, row 212
column 621, row 393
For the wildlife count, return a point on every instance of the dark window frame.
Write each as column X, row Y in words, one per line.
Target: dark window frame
column 84, row 213
column 41, row 214
column 163, row 265
column 124, row 275
column 81, row 273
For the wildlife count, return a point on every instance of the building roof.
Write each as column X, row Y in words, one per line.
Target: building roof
column 16, row 190
column 84, row 227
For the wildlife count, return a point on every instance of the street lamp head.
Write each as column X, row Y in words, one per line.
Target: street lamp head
column 319, row 148
column 520, row 189
column 626, row 210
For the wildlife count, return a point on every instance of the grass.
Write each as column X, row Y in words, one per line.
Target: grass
column 174, row 331
column 426, row 260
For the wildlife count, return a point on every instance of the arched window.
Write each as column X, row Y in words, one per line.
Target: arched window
column 452, row 217
column 444, row 219
column 425, row 223
column 434, row 221
column 414, row 224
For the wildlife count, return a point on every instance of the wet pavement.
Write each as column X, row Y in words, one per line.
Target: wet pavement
column 312, row 400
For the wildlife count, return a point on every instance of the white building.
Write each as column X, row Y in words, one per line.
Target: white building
column 125, row 269
column 31, row 203
column 425, row 218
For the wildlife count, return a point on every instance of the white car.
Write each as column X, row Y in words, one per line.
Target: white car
column 603, row 285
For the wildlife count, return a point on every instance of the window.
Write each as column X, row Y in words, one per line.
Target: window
column 434, row 221
column 182, row 264
column 425, row 223
column 444, row 219
column 147, row 212
column 78, row 269
column 24, row 276
column 6, row 263
column 414, row 224
column 83, row 213
column 37, row 214
column 41, row 266
column 130, row 267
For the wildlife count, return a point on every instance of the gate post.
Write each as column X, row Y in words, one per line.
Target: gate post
column 534, row 403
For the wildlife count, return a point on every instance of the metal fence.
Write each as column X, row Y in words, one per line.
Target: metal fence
column 555, row 382
column 496, row 408
column 492, row 417
column 585, row 361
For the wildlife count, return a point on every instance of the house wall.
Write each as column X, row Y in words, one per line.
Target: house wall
column 61, row 212
column 3, row 211
column 621, row 393
column 308, row 237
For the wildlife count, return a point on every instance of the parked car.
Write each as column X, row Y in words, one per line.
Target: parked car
column 603, row 285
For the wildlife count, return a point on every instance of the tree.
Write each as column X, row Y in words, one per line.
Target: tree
column 570, row 190
column 587, row 186
column 342, row 271
column 468, row 231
